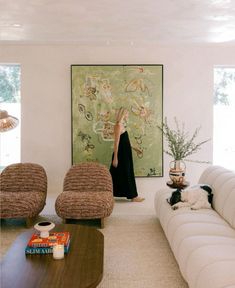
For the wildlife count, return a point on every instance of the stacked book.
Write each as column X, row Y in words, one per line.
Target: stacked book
column 38, row 245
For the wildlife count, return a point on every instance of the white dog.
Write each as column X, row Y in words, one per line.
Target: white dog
column 195, row 197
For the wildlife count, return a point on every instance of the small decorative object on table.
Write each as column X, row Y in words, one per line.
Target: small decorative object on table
column 180, row 147
column 38, row 245
column 44, row 228
column 58, row 251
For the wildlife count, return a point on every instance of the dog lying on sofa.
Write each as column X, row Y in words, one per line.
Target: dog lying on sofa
column 195, row 197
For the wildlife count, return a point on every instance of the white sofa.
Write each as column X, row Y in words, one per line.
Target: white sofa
column 203, row 241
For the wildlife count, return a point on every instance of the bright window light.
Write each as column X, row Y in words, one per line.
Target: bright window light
column 224, row 117
column 10, row 101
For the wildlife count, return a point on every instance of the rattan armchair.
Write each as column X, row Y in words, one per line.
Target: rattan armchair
column 87, row 193
column 23, row 190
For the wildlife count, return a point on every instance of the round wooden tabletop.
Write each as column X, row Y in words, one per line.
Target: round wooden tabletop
column 82, row 267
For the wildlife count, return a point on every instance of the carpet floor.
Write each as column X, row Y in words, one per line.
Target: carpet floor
column 136, row 255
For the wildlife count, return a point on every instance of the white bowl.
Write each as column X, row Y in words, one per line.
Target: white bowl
column 44, row 228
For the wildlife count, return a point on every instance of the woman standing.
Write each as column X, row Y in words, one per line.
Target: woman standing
column 121, row 168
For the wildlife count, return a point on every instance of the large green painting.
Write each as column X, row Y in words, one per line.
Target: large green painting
column 98, row 91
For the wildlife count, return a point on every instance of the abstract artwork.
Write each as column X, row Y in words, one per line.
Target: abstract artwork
column 98, row 91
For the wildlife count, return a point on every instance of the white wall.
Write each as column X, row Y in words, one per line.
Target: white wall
column 46, row 105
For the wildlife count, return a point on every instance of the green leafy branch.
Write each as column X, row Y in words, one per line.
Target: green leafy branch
column 180, row 144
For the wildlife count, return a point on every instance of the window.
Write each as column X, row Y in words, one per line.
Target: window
column 224, row 117
column 10, row 101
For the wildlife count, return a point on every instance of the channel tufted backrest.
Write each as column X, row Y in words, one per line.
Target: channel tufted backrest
column 222, row 182
column 88, row 176
column 23, row 177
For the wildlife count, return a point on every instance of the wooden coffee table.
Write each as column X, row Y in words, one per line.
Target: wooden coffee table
column 82, row 267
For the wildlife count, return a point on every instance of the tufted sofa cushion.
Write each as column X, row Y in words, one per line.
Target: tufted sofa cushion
column 202, row 241
column 222, row 182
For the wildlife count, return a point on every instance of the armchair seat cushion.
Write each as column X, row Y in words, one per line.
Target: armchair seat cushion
column 22, row 204
column 84, row 205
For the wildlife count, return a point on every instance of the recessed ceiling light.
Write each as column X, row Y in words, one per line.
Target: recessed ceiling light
column 16, row 25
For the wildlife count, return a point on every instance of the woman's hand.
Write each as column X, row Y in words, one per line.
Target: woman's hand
column 115, row 162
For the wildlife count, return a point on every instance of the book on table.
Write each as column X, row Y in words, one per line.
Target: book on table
column 38, row 245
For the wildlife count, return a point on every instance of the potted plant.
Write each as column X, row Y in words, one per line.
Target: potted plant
column 180, row 146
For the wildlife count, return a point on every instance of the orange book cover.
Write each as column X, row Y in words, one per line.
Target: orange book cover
column 54, row 238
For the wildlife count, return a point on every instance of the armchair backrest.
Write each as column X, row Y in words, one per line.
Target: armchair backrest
column 88, row 176
column 23, row 177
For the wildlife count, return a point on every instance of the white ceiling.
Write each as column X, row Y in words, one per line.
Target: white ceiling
column 111, row 22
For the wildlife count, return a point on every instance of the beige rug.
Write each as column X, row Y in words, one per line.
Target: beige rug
column 137, row 254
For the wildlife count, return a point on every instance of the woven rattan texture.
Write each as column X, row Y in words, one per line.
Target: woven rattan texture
column 23, row 190
column 88, row 192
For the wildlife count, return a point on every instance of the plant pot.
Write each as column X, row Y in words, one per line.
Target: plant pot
column 177, row 172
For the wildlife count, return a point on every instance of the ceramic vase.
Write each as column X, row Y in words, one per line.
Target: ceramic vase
column 177, row 172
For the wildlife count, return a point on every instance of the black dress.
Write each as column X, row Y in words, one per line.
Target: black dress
column 123, row 175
